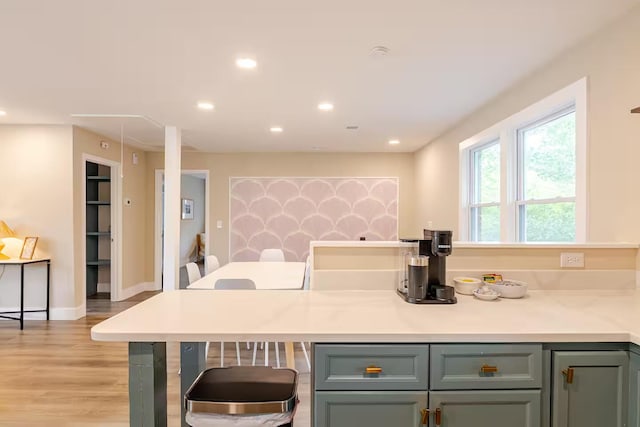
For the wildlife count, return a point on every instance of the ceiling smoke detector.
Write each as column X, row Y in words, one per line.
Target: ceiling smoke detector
column 379, row 51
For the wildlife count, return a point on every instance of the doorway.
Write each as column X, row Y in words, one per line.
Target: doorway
column 101, row 225
column 194, row 230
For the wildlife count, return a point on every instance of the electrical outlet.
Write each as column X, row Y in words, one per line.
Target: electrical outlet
column 572, row 259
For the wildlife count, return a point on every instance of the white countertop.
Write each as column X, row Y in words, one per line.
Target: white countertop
column 375, row 316
column 265, row 275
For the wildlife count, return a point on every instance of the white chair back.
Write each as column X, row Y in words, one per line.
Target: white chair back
column 234, row 284
column 307, row 275
column 193, row 272
column 272, row 255
column 211, row 264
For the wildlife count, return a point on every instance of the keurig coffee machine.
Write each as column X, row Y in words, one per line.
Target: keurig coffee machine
column 424, row 275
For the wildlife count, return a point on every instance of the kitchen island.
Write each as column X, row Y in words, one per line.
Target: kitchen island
column 193, row 317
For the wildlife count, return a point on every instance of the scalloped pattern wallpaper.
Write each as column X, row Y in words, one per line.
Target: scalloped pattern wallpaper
column 288, row 213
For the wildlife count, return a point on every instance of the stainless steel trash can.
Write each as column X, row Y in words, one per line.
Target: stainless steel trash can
column 242, row 396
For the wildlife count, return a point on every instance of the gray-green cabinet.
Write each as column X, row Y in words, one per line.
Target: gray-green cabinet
column 495, row 408
column 590, row 388
column 634, row 387
column 369, row 408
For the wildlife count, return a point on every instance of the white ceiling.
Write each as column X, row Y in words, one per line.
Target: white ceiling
column 158, row 58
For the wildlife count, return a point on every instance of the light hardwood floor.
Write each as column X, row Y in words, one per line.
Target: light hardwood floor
column 52, row 373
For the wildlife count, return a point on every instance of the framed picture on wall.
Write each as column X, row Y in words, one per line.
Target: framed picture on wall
column 187, row 208
column 28, row 247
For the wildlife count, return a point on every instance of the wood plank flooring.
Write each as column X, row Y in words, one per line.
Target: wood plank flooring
column 52, row 373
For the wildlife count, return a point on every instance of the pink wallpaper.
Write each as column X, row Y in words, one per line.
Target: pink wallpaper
column 287, row 213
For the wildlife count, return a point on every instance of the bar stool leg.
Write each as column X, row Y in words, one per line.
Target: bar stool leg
column 238, row 352
column 306, row 355
column 221, row 354
column 255, row 349
column 277, row 344
column 266, row 354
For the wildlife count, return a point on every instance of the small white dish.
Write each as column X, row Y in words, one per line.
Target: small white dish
column 466, row 285
column 485, row 293
column 509, row 288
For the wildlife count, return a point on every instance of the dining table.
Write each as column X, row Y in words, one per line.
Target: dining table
column 266, row 275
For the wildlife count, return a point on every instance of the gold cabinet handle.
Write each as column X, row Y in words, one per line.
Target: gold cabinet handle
column 487, row 369
column 373, row 370
column 424, row 419
column 438, row 416
column 568, row 375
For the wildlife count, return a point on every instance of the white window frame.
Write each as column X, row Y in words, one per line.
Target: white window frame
column 506, row 132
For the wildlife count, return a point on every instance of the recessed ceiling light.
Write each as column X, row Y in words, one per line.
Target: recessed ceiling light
column 203, row 105
column 325, row 106
column 3, row 113
column 247, row 63
column 394, row 142
column 276, row 129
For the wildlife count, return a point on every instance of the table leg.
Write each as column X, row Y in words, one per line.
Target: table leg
column 192, row 362
column 148, row 384
column 289, row 354
column 21, row 296
column 48, row 285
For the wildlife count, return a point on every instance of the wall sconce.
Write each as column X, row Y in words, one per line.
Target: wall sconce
column 5, row 231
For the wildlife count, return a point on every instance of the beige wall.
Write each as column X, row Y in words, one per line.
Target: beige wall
column 37, row 200
column 223, row 166
column 134, row 187
column 611, row 61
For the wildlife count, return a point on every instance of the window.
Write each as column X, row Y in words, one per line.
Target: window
column 484, row 203
column 524, row 179
column 547, row 179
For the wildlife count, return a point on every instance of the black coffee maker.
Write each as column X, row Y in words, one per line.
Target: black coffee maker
column 426, row 274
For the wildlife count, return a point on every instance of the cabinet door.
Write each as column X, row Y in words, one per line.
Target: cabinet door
column 369, row 408
column 590, row 388
column 634, row 390
column 501, row 408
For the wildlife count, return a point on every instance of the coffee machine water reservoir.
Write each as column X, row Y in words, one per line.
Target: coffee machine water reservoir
column 423, row 276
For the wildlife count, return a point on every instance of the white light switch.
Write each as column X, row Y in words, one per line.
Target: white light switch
column 219, row 224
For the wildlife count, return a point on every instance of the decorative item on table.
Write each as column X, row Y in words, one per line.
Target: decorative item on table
column 485, row 293
column 509, row 288
column 466, row 285
column 28, row 247
column 187, row 208
column 491, row 277
column 5, row 232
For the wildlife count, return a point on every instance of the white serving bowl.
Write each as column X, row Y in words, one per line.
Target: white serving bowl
column 466, row 285
column 485, row 293
column 508, row 288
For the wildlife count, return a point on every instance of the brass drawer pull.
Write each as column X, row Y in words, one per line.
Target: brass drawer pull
column 486, row 369
column 373, row 370
column 438, row 416
column 568, row 375
column 424, row 419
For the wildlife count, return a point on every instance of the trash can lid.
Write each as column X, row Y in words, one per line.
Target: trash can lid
column 243, row 390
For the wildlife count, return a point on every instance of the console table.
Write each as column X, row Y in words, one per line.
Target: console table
column 22, row 263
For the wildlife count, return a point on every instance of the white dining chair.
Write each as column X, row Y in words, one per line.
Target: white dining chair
column 211, row 264
column 228, row 284
column 272, row 255
column 193, row 272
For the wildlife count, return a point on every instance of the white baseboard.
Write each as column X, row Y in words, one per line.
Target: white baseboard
column 136, row 289
column 55, row 313
column 104, row 287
